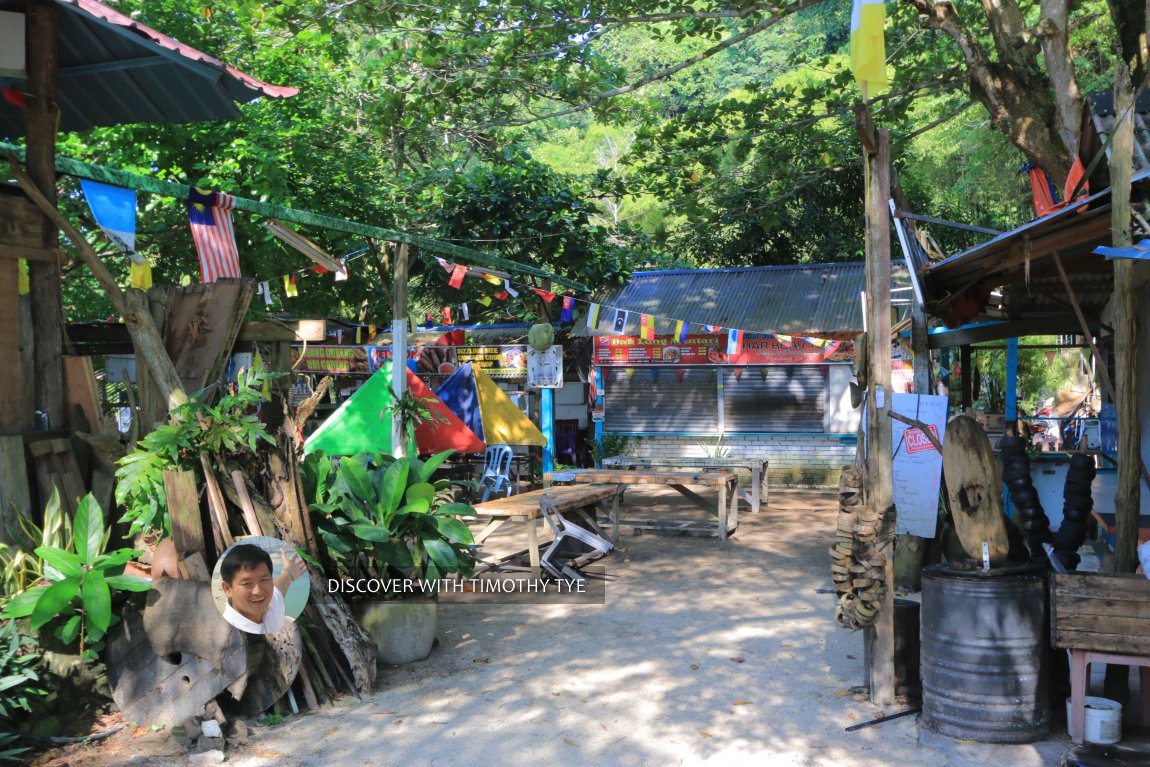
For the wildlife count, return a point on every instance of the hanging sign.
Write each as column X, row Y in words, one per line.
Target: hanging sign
column 330, row 359
column 545, row 369
column 755, row 349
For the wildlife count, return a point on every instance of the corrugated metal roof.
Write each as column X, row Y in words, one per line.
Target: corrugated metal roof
column 802, row 300
column 1102, row 114
column 114, row 70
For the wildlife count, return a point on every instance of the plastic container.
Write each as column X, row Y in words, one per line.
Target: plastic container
column 1103, row 720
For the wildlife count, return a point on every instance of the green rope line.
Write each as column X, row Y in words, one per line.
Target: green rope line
column 151, row 185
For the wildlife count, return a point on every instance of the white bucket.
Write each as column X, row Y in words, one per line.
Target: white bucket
column 1103, row 720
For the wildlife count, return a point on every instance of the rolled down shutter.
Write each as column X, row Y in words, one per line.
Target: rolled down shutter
column 775, row 398
column 655, row 400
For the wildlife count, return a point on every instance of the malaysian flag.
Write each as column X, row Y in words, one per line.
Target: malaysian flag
column 210, row 217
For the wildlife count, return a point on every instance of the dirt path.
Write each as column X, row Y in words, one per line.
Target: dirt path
column 704, row 653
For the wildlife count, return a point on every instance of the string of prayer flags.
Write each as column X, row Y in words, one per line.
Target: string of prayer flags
column 592, row 316
column 114, row 209
column 290, row 289
column 510, row 290
column 320, row 269
column 619, row 322
column 503, row 295
column 371, row 331
column 546, row 295
column 681, row 330
column 445, row 313
column 341, row 274
column 210, row 219
column 465, row 312
column 568, row 313
column 734, row 342
column 458, row 272
column 712, row 328
column 493, row 279
column 646, row 327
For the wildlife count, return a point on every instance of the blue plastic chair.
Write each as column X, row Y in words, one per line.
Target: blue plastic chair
column 496, row 471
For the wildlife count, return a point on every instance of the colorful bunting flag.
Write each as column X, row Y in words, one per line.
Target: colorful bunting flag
column 546, row 295
column 592, row 316
column 359, row 335
column 465, row 312
column 290, row 289
column 502, row 295
column 445, row 313
column 114, row 209
column 630, row 373
column 140, row 274
column 619, row 322
column 681, row 329
column 712, row 328
column 494, row 280
column 784, row 340
column 320, row 269
column 734, row 342
column 265, row 290
column 23, row 284
column 447, row 267
column 510, row 290
column 868, row 48
column 210, row 219
column 646, row 327
column 484, row 301
column 568, row 313
column 371, row 331
column 341, row 275
column 457, row 275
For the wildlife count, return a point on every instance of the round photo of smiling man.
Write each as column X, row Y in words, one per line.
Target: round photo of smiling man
column 259, row 584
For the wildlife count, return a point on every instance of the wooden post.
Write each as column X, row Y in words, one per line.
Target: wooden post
column 967, row 378
column 399, row 344
column 40, row 21
column 1128, row 499
column 880, row 647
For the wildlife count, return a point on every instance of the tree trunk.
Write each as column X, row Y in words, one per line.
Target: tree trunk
column 1130, row 19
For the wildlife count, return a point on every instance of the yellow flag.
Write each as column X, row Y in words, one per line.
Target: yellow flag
column 22, row 280
column 868, row 50
column 140, row 275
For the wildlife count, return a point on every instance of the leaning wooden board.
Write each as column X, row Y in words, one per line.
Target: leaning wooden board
column 1102, row 613
column 974, row 489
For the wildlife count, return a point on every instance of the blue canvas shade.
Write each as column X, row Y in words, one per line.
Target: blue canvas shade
column 458, row 392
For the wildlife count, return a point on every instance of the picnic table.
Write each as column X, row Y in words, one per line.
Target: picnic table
column 754, row 496
column 525, row 507
column 725, row 482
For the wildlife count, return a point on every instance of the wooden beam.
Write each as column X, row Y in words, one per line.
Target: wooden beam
column 9, row 250
column 998, row 331
column 1127, row 499
column 880, row 648
column 12, row 406
column 41, row 117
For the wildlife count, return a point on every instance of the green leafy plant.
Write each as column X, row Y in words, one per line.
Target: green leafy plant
column 78, row 600
column 10, row 754
column 227, row 428
column 21, row 568
column 381, row 517
column 19, row 680
column 609, row 445
column 411, row 411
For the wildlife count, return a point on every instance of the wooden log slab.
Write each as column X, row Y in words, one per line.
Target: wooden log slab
column 278, row 667
column 150, row 688
column 181, row 617
column 974, row 489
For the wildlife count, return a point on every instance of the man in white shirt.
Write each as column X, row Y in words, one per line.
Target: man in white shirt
column 255, row 601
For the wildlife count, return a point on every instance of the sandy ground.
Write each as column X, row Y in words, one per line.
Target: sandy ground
column 704, row 653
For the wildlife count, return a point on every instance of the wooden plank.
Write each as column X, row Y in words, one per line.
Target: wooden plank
column 1099, row 584
column 12, row 405
column 217, row 509
column 624, row 477
column 1092, row 640
column 1109, row 613
column 974, row 489
column 11, row 251
column 184, row 511
column 14, row 491
column 268, row 332
column 203, row 323
column 526, row 505
column 20, row 221
column 80, row 392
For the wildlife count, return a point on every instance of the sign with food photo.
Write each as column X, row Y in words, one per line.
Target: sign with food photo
column 757, row 349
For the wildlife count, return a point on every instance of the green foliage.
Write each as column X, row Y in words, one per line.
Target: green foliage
column 19, row 679
column 411, row 412
column 9, row 754
column 22, row 569
column 228, row 428
column 77, row 601
column 611, row 444
column 380, row 517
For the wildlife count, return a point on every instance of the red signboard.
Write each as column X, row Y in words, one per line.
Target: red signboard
column 916, row 441
column 757, row 349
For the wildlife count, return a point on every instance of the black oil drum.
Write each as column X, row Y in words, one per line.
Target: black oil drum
column 984, row 639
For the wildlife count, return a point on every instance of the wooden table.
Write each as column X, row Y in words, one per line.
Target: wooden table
column 525, row 507
column 724, row 481
column 754, row 496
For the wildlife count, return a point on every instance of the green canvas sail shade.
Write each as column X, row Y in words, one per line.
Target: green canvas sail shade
column 363, row 422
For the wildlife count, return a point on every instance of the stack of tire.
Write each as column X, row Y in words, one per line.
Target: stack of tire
column 857, row 566
column 1077, row 503
column 1016, row 475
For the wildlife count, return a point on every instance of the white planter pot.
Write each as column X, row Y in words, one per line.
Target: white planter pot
column 1103, row 720
column 403, row 630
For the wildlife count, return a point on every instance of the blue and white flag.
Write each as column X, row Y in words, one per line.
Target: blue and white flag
column 734, row 342
column 114, row 209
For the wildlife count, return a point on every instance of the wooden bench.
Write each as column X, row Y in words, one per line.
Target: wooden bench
column 755, row 495
column 525, row 507
column 724, row 482
column 1100, row 619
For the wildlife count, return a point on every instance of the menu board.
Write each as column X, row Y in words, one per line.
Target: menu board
column 756, row 349
column 330, row 359
column 506, row 361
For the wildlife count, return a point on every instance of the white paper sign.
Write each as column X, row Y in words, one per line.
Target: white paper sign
column 545, row 369
column 917, row 466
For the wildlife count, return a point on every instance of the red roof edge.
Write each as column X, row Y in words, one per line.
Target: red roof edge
column 104, row 13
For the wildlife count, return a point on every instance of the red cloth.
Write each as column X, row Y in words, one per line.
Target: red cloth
column 451, row 338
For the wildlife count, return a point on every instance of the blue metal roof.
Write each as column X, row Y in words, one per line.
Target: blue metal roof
column 113, row 70
column 804, row 299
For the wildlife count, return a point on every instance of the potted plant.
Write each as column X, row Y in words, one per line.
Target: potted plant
column 391, row 533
